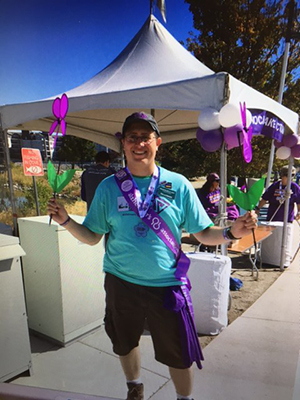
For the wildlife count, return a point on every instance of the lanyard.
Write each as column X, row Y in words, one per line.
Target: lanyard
column 280, row 195
column 143, row 206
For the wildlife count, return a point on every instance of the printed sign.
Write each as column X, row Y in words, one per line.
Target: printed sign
column 32, row 162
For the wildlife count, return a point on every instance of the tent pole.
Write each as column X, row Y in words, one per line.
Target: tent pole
column 223, row 188
column 10, row 181
column 286, row 212
column 223, row 173
column 291, row 161
column 270, row 165
column 36, row 196
column 280, row 97
column 151, row 7
column 289, row 33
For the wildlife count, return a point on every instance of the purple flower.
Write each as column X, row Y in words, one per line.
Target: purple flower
column 59, row 109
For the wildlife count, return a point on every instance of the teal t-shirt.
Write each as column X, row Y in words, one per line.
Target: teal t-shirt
column 134, row 252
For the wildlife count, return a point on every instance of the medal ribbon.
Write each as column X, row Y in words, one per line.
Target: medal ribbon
column 143, row 206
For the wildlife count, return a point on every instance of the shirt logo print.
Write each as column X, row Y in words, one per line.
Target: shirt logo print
column 141, row 230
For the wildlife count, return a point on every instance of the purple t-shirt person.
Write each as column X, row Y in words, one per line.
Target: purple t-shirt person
column 210, row 196
column 275, row 194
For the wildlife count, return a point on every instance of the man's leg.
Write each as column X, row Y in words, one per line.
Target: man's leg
column 131, row 364
column 183, row 380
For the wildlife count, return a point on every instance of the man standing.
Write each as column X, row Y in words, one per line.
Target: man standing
column 275, row 196
column 145, row 208
column 95, row 174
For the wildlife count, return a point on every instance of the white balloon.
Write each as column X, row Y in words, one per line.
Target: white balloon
column 229, row 115
column 248, row 118
column 283, row 152
column 208, row 119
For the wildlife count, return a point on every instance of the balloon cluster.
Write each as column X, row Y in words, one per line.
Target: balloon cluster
column 290, row 146
column 209, row 134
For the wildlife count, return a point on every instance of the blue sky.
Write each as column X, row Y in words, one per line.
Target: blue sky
column 50, row 46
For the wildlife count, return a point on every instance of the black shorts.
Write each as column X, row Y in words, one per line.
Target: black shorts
column 127, row 308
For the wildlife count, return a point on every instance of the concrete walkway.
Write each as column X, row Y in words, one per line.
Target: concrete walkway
column 254, row 358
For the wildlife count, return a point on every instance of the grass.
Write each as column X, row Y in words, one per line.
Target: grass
column 25, row 198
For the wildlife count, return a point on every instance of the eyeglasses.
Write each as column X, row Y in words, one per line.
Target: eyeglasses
column 134, row 139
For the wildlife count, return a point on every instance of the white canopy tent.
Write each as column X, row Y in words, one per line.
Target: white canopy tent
column 154, row 72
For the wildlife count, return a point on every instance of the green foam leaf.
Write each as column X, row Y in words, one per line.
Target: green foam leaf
column 248, row 200
column 58, row 182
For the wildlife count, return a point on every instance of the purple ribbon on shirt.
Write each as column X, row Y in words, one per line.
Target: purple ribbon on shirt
column 178, row 297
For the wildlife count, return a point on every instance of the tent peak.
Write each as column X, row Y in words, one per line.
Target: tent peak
column 153, row 57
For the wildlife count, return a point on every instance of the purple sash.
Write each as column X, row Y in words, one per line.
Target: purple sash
column 178, row 297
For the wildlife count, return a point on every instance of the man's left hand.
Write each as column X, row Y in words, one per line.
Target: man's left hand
column 243, row 225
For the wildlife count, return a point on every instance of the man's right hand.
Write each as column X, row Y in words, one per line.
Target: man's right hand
column 57, row 212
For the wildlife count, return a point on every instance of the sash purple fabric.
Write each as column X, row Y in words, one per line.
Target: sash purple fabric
column 177, row 297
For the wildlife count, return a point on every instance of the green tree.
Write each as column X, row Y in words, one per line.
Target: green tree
column 75, row 150
column 245, row 38
column 188, row 158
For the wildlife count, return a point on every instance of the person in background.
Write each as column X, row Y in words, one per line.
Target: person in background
column 144, row 208
column 298, row 177
column 95, row 174
column 210, row 196
column 276, row 176
column 275, row 196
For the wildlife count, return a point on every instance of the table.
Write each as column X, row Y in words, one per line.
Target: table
column 247, row 244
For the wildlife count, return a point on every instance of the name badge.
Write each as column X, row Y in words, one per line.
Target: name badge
column 122, row 204
column 169, row 194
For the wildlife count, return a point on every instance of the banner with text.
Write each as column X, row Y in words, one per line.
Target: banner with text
column 267, row 124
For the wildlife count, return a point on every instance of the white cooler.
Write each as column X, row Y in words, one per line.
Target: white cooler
column 210, row 277
column 271, row 246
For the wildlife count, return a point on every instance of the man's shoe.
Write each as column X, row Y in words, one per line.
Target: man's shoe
column 135, row 391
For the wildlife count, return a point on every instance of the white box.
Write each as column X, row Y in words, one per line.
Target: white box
column 271, row 246
column 210, row 278
column 15, row 353
column 63, row 280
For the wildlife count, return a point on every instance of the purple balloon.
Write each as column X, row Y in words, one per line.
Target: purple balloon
column 211, row 140
column 290, row 140
column 295, row 151
column 199, row 134
column 231, row 138
column 278, row 144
